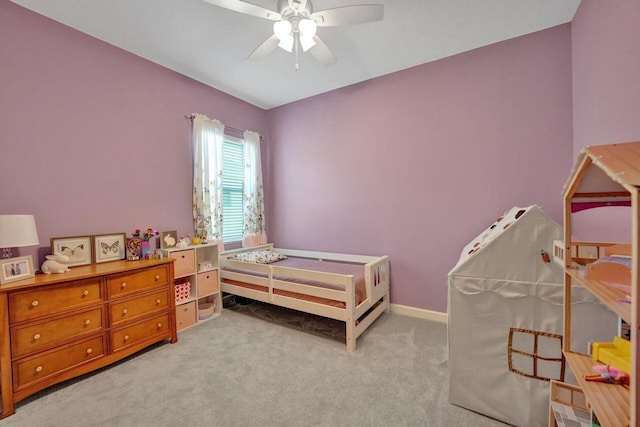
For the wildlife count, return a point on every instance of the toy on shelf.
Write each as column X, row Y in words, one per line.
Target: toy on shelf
column 185, row 239
column 608, row 374
column 616, row 354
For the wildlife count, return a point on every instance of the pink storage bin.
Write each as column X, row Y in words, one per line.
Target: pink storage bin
column 182, row 291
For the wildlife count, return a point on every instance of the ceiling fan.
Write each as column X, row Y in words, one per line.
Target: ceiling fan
column 296, row 23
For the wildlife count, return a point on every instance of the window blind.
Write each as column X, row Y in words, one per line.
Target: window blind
column 232, row 179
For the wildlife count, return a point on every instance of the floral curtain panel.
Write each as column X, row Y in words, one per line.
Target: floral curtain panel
column 207, row 138
column 254, row 232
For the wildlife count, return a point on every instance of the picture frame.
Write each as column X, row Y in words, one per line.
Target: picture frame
column 168, row 239
column 109, row 247
column 134, row 247
column 79, row 249
column 14, row 269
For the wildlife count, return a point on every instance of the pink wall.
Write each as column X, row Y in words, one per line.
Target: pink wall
column 412, row 164
column 93, row 139
column 417, row 163
column 606, row 96
column 606, row 66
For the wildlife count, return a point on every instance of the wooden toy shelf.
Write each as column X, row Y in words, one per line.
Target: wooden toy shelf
column 602, row 175
column 609, row 401
column 611, row 297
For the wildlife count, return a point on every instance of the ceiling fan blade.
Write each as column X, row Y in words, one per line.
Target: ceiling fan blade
column 265, row 48
column 322, row 53
column 348, row 15
column 247, row 8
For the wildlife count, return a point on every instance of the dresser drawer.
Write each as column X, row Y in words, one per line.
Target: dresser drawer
column 34, row 337
column 185, row 263
column 132, row 308
column 139, row 331
column 26, row 305
column 207, row 283
column 45, row 365
column 125, row 284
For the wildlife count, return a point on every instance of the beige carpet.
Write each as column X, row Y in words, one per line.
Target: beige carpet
column 240, row 370
column 309, row 323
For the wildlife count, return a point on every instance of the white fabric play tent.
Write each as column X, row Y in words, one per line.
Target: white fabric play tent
column 505, row 319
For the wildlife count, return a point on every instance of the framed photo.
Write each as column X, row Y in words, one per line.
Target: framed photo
column 168, row 239
column 12, row 269
column 134, row 246
column 77, row 248
column 109, row 247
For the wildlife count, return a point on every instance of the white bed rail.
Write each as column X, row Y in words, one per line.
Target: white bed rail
column 376, row 275
column 357, row 318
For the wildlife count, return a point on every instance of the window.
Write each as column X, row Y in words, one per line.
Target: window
column 536, row 354
column 232, row 181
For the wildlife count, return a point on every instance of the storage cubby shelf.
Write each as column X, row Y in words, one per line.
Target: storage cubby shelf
column 205, row 282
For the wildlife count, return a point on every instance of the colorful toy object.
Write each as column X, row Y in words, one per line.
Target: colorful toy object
column 608, row 374
column 616, row 354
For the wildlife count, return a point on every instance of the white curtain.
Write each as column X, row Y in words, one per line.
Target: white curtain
column 207, row 138
column 254, row 232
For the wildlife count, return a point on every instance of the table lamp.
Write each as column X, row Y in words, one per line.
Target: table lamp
column 17, row 231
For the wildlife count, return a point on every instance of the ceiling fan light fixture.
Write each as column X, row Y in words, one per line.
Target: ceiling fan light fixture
column 286, row 44
column 282, row 30
column 307, row 43
column 307, row 28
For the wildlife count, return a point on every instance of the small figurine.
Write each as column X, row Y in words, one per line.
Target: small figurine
column 184, row 241
column 55, row 264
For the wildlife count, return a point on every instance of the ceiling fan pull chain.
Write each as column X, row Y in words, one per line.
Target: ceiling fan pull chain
column 295, row 42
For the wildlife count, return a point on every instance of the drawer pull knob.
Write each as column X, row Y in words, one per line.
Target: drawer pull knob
column 89, row 351
column 123, row 285
column 125, row 311
column 126, row 337
column 87, row 322
column 35, row 303
column 85, row 293
column 182, row 256
column 157, row 302
column 36, row 337
column 159, row 325
column 39, row 369
column 157, row 277
column 208, row 276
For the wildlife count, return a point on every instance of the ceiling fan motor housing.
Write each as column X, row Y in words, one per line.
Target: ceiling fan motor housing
column 295, row 9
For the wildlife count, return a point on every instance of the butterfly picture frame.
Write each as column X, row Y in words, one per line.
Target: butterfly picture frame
column 109, row 247
column 79, row 249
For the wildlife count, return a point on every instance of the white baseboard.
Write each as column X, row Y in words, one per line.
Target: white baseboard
column 420, row 313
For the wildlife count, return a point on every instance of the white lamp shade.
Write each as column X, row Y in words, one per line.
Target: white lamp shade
column 17, row 231
column 307, row 43
column 307, row 28
column 286, row 43
column 282, row 29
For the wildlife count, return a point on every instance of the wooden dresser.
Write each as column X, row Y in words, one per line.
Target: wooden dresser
column 56, row 327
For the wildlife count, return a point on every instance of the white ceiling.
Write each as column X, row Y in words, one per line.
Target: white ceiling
column 211, row 44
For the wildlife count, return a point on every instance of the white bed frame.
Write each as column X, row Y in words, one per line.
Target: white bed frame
column 357, row 317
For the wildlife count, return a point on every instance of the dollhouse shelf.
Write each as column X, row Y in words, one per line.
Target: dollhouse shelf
column 604, row 174
column 610, row 296
column 609, row 401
